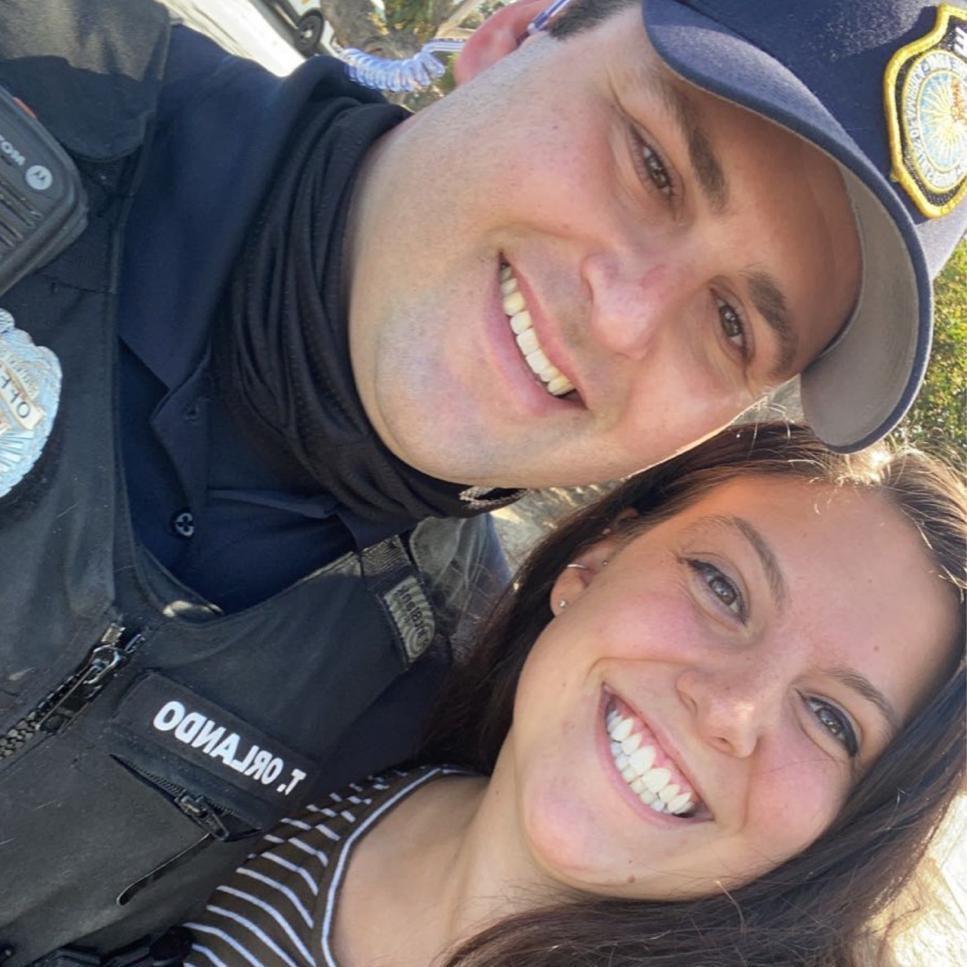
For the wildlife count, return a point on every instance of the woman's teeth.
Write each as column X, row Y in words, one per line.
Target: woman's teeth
column 635, row 753
column 520, row 322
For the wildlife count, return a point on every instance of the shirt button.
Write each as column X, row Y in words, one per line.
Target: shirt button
column 183, row 524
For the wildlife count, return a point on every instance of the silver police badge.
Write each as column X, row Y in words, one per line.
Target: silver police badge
column 30, row 381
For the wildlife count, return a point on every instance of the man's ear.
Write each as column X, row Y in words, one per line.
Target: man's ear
column 496, row 37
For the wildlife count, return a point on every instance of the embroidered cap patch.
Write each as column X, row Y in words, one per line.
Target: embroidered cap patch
column 925, row 91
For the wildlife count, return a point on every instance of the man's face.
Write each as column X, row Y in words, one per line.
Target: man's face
column 676, row 257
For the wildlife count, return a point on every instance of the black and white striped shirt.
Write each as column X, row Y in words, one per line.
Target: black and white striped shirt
column 279, row 907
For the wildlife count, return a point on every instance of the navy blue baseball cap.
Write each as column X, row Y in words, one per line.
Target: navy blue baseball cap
column 881, row 87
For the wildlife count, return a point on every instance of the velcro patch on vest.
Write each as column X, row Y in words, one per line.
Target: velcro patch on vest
column 925, row 94
column 412, row 614
column 161, row 714
column 391, row 575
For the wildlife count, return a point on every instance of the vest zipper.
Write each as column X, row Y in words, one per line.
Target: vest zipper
column 199, row 810
column 168, row 866
column 112, row 651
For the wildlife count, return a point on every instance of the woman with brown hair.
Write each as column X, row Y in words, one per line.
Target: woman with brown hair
column 715, row 722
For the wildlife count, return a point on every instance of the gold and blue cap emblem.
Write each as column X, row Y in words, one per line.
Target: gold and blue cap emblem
column 925, row 94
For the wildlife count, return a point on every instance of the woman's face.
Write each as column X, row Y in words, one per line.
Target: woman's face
column 757, row 652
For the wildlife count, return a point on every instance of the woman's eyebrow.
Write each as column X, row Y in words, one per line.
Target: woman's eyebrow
column 848, row 677
column 767, row 558
column 863, row 687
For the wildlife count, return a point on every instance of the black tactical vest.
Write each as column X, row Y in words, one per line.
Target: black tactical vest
column 146, row 739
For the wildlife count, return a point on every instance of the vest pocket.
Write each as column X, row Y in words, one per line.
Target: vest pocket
column 188, row 758
column 216, row 822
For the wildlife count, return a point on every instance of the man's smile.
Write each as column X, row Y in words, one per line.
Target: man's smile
column 519, row 317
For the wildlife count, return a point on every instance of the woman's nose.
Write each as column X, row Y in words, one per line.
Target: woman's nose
column 732, row 710
column 633, row 297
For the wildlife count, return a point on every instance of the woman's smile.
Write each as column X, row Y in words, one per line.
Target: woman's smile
column 645, row 766
column 733, row 691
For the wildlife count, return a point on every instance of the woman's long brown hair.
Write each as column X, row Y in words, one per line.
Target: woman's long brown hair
column 814, row 909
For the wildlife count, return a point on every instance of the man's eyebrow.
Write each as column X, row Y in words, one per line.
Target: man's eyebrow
column 705, row 163
column 771, row 304
column 766, row 294
column 864, row 687
column 768, row 560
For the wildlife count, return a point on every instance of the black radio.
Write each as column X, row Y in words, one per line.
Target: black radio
column 42, row 204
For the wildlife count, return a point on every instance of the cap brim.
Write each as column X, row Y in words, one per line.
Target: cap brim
column 861, row 386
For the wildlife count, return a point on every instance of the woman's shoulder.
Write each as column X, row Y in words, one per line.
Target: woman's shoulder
column 342, row 813
column 282, row 897
column 330, row 819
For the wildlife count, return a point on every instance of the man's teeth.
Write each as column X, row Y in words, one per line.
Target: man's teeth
column 520, row 322
column 635, row 757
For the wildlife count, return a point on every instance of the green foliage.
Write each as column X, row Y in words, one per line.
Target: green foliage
column 938, row 419
column 416, row 22
column 420, row 17
column 404, row 14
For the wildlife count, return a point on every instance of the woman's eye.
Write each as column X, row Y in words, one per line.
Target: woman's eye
column 724, row 590
column 732, row 326
column 836, row 723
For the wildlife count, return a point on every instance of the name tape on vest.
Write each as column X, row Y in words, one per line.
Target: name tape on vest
column 198, row 731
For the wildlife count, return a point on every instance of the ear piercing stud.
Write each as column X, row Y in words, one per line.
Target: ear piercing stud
column 562, row 602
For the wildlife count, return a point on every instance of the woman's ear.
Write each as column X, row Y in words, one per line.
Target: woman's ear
column 496, row 37
column 580, row 574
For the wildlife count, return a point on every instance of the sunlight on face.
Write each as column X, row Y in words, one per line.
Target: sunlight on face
column 764, row 644
column 568, row 165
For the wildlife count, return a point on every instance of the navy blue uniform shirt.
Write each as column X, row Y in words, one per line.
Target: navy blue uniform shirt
column 203, row 499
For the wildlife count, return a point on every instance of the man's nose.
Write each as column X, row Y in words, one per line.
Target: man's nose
column 734, row 708
column 634, row 296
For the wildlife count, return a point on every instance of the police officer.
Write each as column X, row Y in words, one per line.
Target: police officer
column 304, row 341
